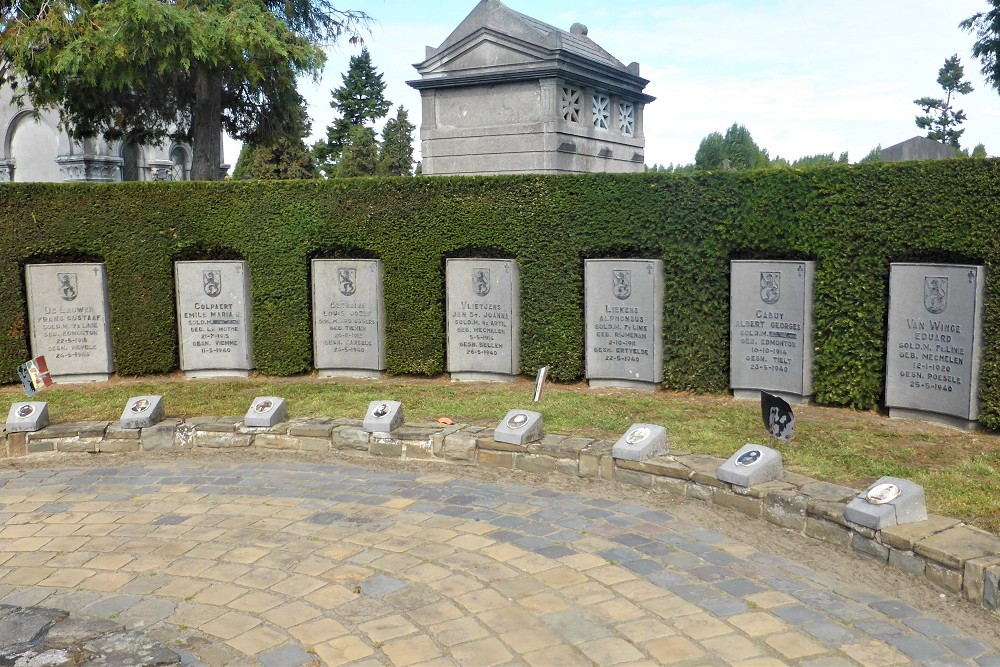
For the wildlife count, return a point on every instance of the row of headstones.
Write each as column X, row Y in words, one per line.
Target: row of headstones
column 890, row 501
column 934, row 338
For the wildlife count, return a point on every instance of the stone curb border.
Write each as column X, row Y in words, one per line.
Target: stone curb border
column 958, row 558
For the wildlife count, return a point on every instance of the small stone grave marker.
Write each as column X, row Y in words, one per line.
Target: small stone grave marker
column 888, row 502
column 519, row 427
column 27, row 417
column 383, row 416
column 641, row 442
column 142, row 411
column 266, row 411
column 751, row 465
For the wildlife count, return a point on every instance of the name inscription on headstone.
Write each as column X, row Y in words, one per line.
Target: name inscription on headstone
column 935, row 340
column 69, row 321
column 348, row 317
column 213, row 317
column 484, row 318
column 624, row 322
column 770, row 335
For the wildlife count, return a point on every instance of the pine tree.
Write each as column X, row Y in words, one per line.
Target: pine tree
column 360, row 101
column 282, row 155
column 360, row 154
column 943, row 124
column 396, row 154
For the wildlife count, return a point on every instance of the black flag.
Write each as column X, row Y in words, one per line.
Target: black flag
column 778, row 418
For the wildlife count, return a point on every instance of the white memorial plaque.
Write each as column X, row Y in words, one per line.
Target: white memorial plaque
column 348, row 317
column 213, row 318
column 69, row 320
column 770, row 334
column 624, row 322
column 484, row 319
column 935, row 342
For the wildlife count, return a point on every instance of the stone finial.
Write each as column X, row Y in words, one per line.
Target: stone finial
column 578, row 29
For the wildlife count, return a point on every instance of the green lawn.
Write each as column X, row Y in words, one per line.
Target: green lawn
column 959, row 471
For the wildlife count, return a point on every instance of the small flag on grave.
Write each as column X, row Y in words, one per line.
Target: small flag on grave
column 778, row 417
column 543, row 372
column 34, row 375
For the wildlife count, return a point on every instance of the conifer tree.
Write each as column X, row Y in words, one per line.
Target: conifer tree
column 396, row 154
column 360, row 154
column 360, row 101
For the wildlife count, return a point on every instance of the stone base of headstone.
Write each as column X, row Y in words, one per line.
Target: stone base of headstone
column 623, row 384
column 934, row 418
column 481, row 377
column 519, row 427
column 351, row 373
column 754, row 395
column 81, row 378
column 383, row 417
column 216, row 373
column 751, row 465
column 641, row 442
column 872, row 511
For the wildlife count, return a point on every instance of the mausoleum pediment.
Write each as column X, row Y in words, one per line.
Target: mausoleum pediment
column 483, row 53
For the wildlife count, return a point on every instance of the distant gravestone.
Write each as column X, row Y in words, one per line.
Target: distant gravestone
column 69, row 320
column 484, row 319
column 348, row 317
column 624, row 322
column 213, row 318
column 770, row 329
column 935, row 342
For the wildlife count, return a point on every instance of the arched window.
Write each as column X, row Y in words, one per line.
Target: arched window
column 179, row 157
column 130, row 162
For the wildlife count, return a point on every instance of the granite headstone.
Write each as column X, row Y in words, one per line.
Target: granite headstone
column 266, row 411
column 751, row 465
column 624, row 322
column 27, row 417
column 69, row 320
column 214, row 318
column 484, row 319
column 641, row 442
column 770, row 329
column 519, row 427
column 348, row 317
column 935, row 342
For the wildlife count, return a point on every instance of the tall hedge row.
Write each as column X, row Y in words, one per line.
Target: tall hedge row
column 853, row 220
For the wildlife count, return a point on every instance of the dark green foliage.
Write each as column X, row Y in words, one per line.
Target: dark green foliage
column 396, row 151
column 853, row 220
column 359, row 156
column 735, row 150
column 986, row 27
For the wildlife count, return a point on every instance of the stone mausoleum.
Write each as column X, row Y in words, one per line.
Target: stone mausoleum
column 34, row 148
column 506, row 93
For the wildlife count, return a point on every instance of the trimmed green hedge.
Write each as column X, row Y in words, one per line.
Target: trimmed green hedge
column 853, row 220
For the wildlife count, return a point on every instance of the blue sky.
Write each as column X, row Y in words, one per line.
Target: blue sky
column 803, row 76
